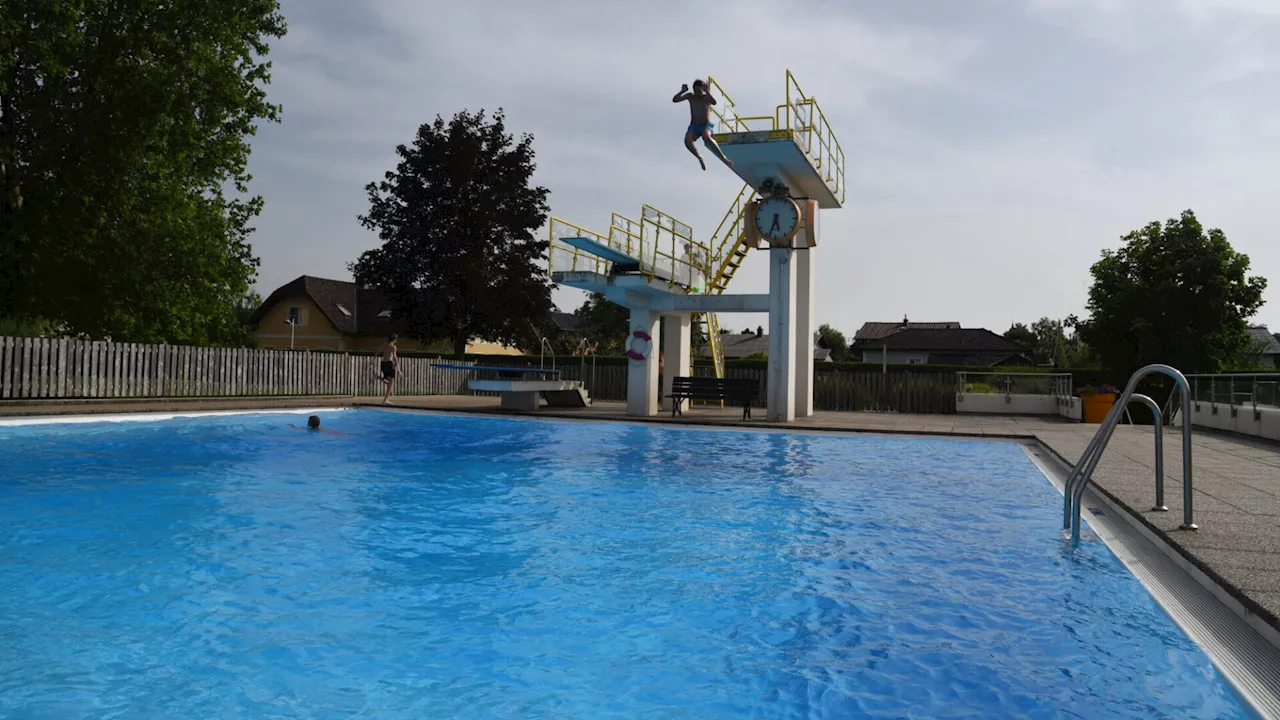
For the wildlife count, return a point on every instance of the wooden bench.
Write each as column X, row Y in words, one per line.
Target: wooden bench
column 741, row 390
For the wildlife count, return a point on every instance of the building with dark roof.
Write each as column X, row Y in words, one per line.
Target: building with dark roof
column 950, row 346
column 740, row 345
column 1267, row 348
column 324, row 314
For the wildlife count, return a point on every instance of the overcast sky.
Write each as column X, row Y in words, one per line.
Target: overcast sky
column 994, row 147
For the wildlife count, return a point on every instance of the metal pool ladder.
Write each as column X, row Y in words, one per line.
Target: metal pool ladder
column 1082, row 474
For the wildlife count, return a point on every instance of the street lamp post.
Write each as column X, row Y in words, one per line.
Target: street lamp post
column 292, row 325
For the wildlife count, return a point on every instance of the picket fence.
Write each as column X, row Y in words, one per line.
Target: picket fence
column 67, row 368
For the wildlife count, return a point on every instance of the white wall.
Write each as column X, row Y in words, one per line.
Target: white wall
column 1071, row 408
column 1002, row 404
column 1264, row 422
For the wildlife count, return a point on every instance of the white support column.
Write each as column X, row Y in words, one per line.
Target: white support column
column 642, row 375
column 781, row 392
column 806, row 326
column 675, row 349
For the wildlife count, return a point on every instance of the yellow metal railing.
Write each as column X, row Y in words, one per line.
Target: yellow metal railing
column 566, row 258
column 673, row 250
column 725, row 110
column 802, row 115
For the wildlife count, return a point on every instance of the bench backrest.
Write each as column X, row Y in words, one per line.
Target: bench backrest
column 711, row 384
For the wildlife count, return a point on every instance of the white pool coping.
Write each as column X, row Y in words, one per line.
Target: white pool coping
column 1245, row 652
column 155, row 416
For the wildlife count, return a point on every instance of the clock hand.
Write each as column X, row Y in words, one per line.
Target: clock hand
column 775, row 224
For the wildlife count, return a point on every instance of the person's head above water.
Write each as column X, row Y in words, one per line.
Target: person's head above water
column 313, row 422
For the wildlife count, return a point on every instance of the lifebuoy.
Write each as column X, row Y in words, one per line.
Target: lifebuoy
column 647, row 344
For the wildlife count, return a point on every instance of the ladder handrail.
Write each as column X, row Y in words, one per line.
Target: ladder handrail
column 1082, row 474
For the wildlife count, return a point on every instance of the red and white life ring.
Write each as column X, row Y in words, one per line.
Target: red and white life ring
column 645, row 342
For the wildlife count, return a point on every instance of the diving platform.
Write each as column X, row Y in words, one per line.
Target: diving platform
column 601, row 250
column 760, row 155
column 639, row 291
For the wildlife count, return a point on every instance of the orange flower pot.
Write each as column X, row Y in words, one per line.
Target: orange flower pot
column 1097, row 406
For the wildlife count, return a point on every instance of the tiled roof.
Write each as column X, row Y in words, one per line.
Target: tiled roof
column 739, row 346
column 877, row 330
column 566, row 322
column 352, row 310
column 959, row 340
column 1265, row 339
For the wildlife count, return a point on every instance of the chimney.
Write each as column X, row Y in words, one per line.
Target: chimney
column 904, row 320
column 759, row 331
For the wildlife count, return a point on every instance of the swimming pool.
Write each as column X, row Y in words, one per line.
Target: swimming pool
column 437, row 566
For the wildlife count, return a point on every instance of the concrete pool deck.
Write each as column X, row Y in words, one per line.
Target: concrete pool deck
column 1236, row 480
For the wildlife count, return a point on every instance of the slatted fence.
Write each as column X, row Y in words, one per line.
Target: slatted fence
column 65, row 368
column 34, row 368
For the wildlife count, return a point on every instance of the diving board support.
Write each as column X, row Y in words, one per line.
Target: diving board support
column 642, row 361
column 806, row 329
column 676, row 349
column 780, row 402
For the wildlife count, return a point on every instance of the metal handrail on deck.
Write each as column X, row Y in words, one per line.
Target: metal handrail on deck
column 1082, row 474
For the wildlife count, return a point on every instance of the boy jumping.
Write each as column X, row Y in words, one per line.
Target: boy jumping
column 700, row 124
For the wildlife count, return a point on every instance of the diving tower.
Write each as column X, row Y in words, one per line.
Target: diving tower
column 792, row 168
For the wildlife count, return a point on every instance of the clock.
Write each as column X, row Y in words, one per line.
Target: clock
column 777, row 219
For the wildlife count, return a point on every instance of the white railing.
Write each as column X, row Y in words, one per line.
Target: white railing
column 1013, row 393
column 43, row 368
column 1012, row 383
column 1236, row 389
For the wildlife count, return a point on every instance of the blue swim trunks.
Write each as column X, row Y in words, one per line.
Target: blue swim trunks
column 697, row 128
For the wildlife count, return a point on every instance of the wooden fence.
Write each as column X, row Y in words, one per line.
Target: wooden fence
column 65, row 368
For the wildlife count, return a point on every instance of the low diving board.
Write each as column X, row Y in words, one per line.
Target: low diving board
column 500, row 369
column 524, row 388
column 763, row 154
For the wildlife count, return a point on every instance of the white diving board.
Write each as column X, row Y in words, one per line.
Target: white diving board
column 763, row 154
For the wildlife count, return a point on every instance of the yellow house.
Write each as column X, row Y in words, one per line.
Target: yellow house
column 318, row 313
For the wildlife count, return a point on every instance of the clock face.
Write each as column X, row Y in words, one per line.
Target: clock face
column 777, row 219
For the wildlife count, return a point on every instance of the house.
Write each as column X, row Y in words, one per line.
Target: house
column 1267, row 346
column 319, row 313
column 871, row 333
column 737, row 346
column 946, row 346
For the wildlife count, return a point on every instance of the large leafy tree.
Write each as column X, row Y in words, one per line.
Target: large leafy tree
column 460, row 257
column 1172, row 294
column 604, row 324
column 123, row 126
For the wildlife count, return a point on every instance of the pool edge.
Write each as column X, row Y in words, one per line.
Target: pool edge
column 1241, row 646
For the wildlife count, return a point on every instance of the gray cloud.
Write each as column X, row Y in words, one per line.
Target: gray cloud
column 993, row 150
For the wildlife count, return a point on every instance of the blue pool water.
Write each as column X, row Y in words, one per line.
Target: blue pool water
column 440, row 567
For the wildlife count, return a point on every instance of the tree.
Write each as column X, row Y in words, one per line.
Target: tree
column 833, row 340
column 604, row 324
column 457, row 218
column 1022, row 335
column 122, row 124
column 1171, row 294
